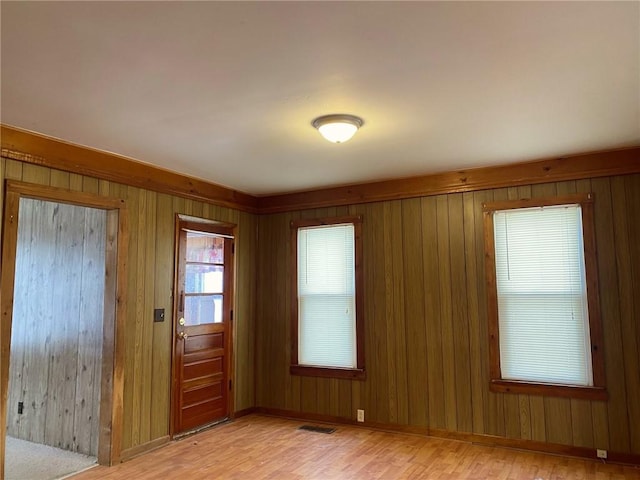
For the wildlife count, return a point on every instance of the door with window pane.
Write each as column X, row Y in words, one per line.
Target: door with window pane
column 202, row 325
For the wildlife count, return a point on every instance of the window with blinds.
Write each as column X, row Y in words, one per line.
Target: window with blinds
column 327, row 337
column 542, row 295
column 326, row 296
column 544, row 316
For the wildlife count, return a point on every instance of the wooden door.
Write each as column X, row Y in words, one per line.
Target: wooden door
column 202, row 325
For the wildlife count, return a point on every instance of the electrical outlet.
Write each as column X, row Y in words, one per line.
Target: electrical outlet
column 361, row 415
column 601, row 453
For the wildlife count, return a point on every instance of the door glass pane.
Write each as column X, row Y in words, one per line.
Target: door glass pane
column 202, row 309
column 204, row 248
column 204, row 278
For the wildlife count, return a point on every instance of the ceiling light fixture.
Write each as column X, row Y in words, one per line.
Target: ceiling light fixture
column 337, row 128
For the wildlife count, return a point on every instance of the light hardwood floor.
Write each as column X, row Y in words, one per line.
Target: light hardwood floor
column 260, row 447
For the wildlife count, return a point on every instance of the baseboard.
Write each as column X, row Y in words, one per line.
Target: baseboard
column 476, row 438
column 244, row 412
column 133, row 452
column 317, row 417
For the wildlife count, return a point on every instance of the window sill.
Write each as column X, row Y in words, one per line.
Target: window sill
column 328, row 372
column 549, row 389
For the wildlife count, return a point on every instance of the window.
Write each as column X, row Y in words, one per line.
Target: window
column 326, row 314
column 544, row 320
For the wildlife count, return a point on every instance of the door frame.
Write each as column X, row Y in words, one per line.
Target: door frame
column 210, row 226
column 112, row 381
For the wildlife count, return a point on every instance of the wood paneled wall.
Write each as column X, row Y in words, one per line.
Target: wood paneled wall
column 56, row 339
column 426, row 322
column 425, row 313
column 149, row 286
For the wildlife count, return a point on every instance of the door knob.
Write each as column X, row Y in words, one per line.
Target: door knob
column 183, row 335
column 182, row 321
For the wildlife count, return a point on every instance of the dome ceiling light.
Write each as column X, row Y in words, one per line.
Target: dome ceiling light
column 337, row 128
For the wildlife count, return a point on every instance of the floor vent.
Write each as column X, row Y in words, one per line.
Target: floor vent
column 313, row 428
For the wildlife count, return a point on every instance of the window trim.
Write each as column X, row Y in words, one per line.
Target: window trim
column 357, row 373
column 497, row 383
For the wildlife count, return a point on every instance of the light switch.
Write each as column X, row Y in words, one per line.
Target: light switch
column 158, row 315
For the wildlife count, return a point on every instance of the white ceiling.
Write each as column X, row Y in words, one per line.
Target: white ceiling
column 226, row 91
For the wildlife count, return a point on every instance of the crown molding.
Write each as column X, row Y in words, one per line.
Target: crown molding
column 589, row 165
column 50, row 152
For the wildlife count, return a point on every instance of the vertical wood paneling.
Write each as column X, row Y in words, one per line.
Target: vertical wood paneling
column 483, row 329
column 63, row 312
column 59, row 179
column 399, row 289
column 19, row 332
column 599, row 410
column 12, row 171
column 36, row 174
column 632, row 187
column 138, row 320
column 538, row 416
column 618, row 418
column 628, row 322
column 447, row 335
column 511, row 406
column 430, row 251
column 263, row 327
column 133, row 337
column 476, row 333
column 90, row 185
column 147, row 315
column 75, row 181
column 446, row 244
column 89, row 362
column 525, row 416
column 495, row 405
column 244, row 335
column 38, row 344
column 388, row 402
column 56, row 343
column 292, row 381
column 432, row 312
column 280, row 356
column 417, row 370
column 150, row 276
column 163, row 298
column 459, row 317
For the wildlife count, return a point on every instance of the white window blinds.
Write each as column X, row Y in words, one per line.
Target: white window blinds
column 326, row 296
column 542, row 298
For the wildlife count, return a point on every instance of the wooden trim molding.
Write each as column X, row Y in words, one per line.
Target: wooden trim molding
column 147, row 447
column 498, row 384
column 478, row 438
column 112, row 380
column 357, row 373
column 243, row 413
column 549, row 389
column 30, row 147
column 589, row 165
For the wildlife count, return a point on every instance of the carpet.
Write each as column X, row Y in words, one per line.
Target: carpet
column 32, row 461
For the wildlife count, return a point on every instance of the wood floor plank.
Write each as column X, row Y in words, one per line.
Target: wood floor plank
column 260, row 447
